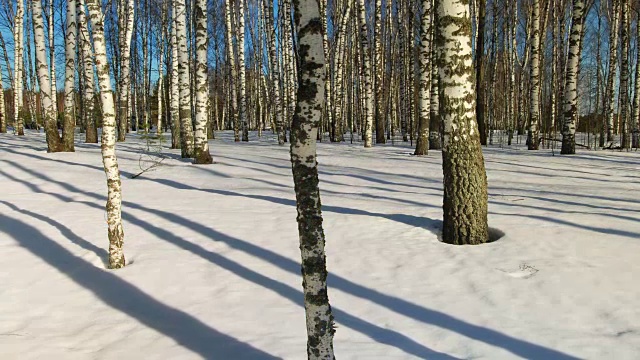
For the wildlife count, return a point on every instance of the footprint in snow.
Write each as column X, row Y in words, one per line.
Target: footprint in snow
column 524, row 271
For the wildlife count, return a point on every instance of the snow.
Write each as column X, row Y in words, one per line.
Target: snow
column 214, row 261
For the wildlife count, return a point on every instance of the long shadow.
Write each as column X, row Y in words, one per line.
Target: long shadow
column 403, row 307
column 375, row 332
column 117, row 293
column 65, row 231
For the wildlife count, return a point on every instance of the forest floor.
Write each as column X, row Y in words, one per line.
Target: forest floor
column 214, row 261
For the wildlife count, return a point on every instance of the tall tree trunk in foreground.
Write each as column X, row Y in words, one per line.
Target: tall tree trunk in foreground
column 52, row 55
column 201, row 154
column 422, row 143
column 465, row 180
column 18, row 59
column 53, row 139
column 186, row 129
column 534, row 94
column 109, row 159
column 89, row 93
column 480, row 83
column 69, row 124
column 571, row 81
column 304, row 130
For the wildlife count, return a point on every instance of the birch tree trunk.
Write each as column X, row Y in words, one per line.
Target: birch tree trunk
column 125, row 68
column 3, row 111
column 435, row 121
column 18, row 59
column 242, row 72
column 109, row 159
column 378, row 70
column 186, row 129
column 534, row 75
column 91, row 135
column 479, row 63
column 613, row 64
column 366, row 75
column 69, row 124
column 201, row 154
column 624, row 75
column 465, row 180
column 424, row 103
column 275, row 74
column 160, row 91
column 175, row 85
column 52, row 56
column 51, row 130
column 571, row 81
column 319, row 319
column 232, row 65
column 635, row 116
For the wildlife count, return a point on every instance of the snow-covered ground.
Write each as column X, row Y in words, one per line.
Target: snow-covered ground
column 214, row 261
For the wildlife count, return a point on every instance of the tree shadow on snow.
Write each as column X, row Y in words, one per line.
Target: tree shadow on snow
column 400, row 306
column 117, row 293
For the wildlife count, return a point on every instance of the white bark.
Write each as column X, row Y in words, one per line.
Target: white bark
column 534, row 94
column 613, row 65
column 201, row 155
column 128, row 14
column 109, row 159
column 242, row 72
column 175, row 86
column 366, row 75
column 186, row 129
column 69, row 77
column 18, row 38
column 89, row 90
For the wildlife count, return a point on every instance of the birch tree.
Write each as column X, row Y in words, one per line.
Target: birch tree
column 533, row 137
column 3, row 110
column 624, row 74
column 424, row 103
column 366, row 75
column 613, row 64
column 51, row 129
column 304, row 129
column 480, row 83
column 635, row 113
column 18, row 39
column 126, row 31
column 175, row 85
column 186, row 129
column 201, row 153
column 242, row 72
column 571, row 81
column 465, row 180
column 108, row 142
column 91, row 135
column 69, row 78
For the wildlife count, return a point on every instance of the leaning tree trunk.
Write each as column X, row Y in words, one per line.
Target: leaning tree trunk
column 91, row 135
column 53, row 139
column 571, row 81
column 422, row 143
column 465, row 180
column 201, row 153
column 186, row 129
column 109, row 159
column 534, row 76
column 304, row 130
column 18, row 59
column 69, row 123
